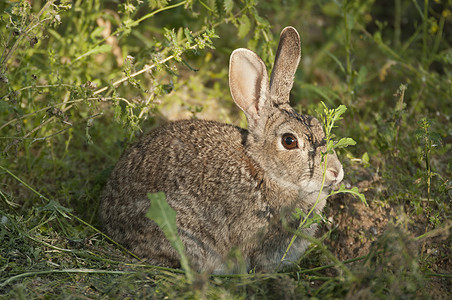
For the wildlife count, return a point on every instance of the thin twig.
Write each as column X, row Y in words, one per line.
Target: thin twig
column 145, row 69
column 65, row 109
column 434, row 232
column 438, row 275
column 39, row 127
column 27, row 29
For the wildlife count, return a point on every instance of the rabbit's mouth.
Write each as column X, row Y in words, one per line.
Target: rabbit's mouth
column 334, row 175
column 334, row 186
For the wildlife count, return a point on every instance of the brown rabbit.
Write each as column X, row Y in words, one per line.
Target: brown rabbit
column 229, row 186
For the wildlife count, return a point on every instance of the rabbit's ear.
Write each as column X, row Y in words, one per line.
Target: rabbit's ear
column 248, row 81
column 286, row 64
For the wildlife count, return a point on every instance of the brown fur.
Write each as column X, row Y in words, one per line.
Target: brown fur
column 229, row 186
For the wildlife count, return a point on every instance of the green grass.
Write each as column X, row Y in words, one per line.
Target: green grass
column 80, row 80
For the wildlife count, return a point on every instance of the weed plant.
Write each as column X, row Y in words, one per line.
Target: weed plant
column 80, row 80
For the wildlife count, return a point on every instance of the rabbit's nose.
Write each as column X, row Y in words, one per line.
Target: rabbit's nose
column 335, row 174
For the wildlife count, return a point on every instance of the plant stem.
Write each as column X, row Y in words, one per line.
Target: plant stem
column 439, row 35
column 303, row 220
column 397, row 22
column 348, row 51
column 427, row 165
column 435, row 232
column 424, row 34
column 439, row 275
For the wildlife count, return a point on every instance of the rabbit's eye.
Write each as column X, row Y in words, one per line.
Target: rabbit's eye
column 289, row 141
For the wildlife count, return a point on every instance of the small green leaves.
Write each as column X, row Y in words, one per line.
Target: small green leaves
column 337, row 113
column 157, row 3
column 354, row 191
column 344, row 142
column 189, row 36
column 365, row 160
column 244, row 27
column 429, row 138
column 330, row 117
column 56, row 207
column 312, row 218
column 165, row 217
column 228, row 6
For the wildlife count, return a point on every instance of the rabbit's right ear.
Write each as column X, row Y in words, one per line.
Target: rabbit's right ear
column 248, row 81
column 286, row 63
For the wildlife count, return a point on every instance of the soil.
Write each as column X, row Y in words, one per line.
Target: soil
column 355, row 228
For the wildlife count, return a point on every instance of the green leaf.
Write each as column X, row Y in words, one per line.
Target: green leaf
column 157, row 3
column 96, row 50
column 188, row 35
column 337, row 61
column 244, row 27
column 97, row 32
column 362, row 75
column 338, row 112
column 228, row 6
column 419, row 210
column 321, row 91
column 165, row 217
column 55, row 34
column 365, row 159
column 260, row 21
column 118, row 113
column 435, row 137
column 314, row 218
column 54, row 206
column 344, row 142
column 354, row 191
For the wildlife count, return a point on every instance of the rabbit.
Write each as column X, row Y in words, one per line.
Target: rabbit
column 230, row 187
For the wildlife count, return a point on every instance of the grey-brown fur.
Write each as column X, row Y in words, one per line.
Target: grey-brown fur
column 229, row 186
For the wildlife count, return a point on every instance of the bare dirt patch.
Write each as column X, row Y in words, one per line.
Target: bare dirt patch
column 357, row 229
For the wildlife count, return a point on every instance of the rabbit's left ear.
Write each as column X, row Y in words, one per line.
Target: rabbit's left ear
column 248, row 81
column 286, row 64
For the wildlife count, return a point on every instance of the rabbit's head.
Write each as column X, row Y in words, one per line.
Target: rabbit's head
column 286, row 145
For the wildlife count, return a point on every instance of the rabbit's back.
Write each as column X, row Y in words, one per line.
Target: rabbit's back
column 190, row 161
